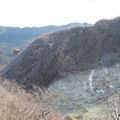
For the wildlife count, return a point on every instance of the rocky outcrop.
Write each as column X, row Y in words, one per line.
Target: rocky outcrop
column 76, row 49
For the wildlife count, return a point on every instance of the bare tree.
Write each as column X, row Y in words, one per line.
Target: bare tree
column 114, row 107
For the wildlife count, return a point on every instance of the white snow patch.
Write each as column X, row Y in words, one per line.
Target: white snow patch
column 111, row 86
column 90, row 80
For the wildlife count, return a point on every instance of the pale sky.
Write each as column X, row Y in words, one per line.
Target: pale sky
column 24, row 13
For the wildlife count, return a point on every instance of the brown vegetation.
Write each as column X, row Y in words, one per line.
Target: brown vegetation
column 17, row 104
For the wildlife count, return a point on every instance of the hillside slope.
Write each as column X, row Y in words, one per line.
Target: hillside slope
column 15, row 37
column 72, row 50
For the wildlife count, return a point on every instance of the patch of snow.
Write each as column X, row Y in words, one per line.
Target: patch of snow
column 50, row 44
column 111, row 86
column 90, row 80
column 100, row 91
column 85, row 85
column 106, row 71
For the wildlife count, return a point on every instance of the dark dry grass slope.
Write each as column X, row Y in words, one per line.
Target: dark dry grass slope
column 15, row 37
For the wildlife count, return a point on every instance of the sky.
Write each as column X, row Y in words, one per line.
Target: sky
column 23, row 13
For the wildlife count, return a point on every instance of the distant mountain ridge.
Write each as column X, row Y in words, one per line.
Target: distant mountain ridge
column 13, row 34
